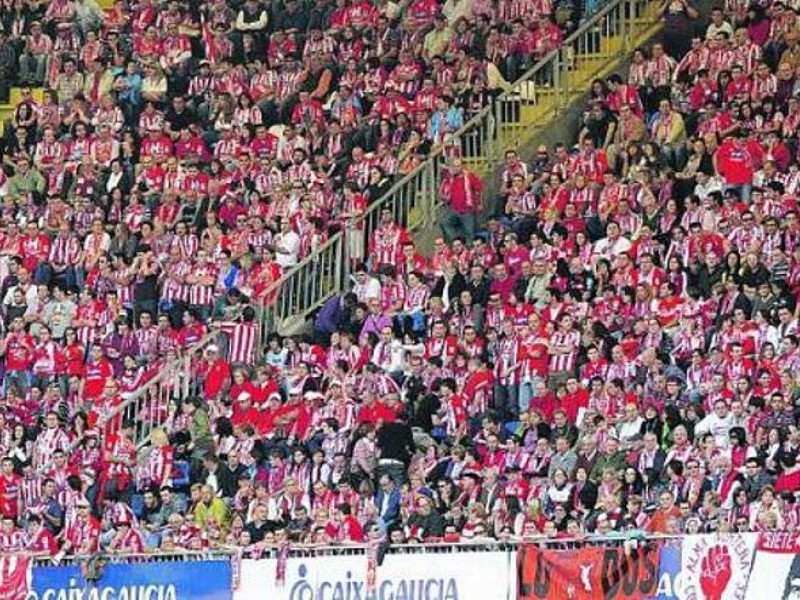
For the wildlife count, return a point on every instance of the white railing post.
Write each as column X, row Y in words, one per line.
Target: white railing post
column 185, row 373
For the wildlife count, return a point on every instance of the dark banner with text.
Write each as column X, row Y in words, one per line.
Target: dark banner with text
column 617, row 573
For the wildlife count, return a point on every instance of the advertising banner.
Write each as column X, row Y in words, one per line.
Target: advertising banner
column 193, row 580
column 716, row 566
column 424, row 576
column 670, row 582
column 776, row 569
column 614, row 573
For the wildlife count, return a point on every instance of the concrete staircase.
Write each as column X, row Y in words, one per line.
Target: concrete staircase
column 537, row 105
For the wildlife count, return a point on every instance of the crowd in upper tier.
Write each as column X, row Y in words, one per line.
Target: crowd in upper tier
column 605, row 339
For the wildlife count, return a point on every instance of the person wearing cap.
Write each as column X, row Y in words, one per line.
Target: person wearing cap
column 127, row 538
column 470, row 487
column 82, row 536
column 157, row 145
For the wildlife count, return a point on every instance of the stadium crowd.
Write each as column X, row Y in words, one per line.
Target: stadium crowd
column 613, row 348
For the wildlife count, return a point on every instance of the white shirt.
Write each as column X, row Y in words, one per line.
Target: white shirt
column 397, row 357
column 629, row 430
column 717, row 427
column 31, row 294
column 287, row 245
column 724, row 27
column 609, row 249
column 367, row 291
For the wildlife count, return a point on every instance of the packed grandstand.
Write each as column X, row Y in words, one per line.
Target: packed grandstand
column 600, row 340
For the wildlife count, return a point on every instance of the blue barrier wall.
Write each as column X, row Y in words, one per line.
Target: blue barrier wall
column 194, row 580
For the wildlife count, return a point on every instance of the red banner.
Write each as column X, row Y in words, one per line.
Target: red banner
column 784, row 542
column 588, row 573
column 14, row 578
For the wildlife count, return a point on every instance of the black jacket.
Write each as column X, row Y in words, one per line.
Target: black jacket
column 457, row 285
column 226, row 481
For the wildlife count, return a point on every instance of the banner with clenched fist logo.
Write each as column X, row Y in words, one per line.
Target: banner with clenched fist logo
column 627, row 572
column 776, row 569
column 716, row 566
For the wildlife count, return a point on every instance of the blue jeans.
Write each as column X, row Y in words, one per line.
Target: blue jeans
column 506, row 401
column 527, row 392
column 21, row 379
column 743, row 190
column 455, row 224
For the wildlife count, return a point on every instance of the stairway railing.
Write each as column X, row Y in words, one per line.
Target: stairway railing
column 149, row 406
column 552, row 84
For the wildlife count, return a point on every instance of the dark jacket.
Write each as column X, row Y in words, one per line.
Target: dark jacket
column 479, row 291
column 457, row 285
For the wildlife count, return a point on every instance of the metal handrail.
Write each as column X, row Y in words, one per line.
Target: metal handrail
column 326, row 272
column 149, row 390
column 475, row 545
column 43, row 560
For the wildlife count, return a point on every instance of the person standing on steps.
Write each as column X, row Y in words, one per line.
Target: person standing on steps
column 464, row 197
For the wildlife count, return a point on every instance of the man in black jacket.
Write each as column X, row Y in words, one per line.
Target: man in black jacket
column 425, row 522
column 219, row 476
column 478, row 286
column 8, row 67
column 449, row 286
column 396, row 444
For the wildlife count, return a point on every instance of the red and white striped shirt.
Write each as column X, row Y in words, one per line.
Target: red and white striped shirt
column 242, row 339
column 565, row 362
column 158, row 470
column 12, row 541
column 507, row 360
column 147, row 338
column 47, row 442
column 416, row 298
column 172, row 287
column 202, row 294
column 118, row 447
column 47, row 152
column 84, row 535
